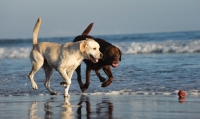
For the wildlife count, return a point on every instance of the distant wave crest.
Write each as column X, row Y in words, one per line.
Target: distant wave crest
column 14, row 52
column 192, row 46
column 160, row 47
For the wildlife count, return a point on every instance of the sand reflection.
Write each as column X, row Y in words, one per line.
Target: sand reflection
column 67, row 113
column 33, row 111
column 103, row 109
column 64, row 108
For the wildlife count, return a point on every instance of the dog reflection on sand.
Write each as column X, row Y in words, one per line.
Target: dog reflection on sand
column 103, row 109
column 83, row 109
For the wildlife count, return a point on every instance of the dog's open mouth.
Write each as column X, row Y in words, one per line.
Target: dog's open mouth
column 114, row 65
column 93, row 59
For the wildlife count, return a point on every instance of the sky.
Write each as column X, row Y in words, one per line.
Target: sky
column 110, row 17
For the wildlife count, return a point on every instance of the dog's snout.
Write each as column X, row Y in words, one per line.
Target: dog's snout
column 101, row 55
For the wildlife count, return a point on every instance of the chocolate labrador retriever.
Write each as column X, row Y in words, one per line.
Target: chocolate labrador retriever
column 111, row 56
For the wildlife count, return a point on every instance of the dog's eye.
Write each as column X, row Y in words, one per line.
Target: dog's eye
column 94, row 48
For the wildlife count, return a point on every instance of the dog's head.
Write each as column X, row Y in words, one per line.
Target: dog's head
column 112, row 55
column 90, row 49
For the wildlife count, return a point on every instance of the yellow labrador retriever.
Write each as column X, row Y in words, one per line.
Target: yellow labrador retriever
column 62, row 57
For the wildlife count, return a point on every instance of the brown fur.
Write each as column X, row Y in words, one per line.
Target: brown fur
column 111, row 56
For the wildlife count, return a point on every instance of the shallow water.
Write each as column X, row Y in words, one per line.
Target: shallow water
column 136, row 74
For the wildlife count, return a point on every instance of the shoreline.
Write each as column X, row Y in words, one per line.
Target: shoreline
column 121, row 92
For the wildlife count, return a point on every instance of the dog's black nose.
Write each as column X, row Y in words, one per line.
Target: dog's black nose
column 101, row 56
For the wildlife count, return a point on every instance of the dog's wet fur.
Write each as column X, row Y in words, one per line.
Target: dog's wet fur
column 64, row 58
column 111, row 57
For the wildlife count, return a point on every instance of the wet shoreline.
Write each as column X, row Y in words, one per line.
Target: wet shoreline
column 99, row 106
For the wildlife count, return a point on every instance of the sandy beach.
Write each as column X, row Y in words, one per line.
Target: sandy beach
column 99, row 107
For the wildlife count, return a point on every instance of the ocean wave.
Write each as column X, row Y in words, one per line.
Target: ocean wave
column 14, row 52
column 192, row 46
column 169, row 46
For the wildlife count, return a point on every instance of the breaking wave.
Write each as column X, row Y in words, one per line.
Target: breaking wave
column 169, row 46
column 14, row 52
column 192, row 46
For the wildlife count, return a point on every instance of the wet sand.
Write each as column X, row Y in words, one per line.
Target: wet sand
column 99, row 107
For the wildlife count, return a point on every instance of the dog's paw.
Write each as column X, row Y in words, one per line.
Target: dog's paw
column 53, row 93
column 34, row 86
column 105, row 84
column 102, row 79
column 84, row 88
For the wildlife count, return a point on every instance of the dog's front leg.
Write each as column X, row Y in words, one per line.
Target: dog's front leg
column 67, row 78
column 108, row 72
column 102, row 79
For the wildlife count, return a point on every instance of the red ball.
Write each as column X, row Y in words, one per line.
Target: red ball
column 181, row 93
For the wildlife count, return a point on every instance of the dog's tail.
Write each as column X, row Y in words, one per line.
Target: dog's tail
column 36, row 30
column 87, row 30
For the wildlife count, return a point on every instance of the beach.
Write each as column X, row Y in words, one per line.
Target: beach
column 99, row 107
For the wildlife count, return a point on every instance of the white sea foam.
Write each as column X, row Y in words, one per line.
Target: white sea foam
column 127, row 48
column 160, row 47
column 120, row 92
column 14, row 52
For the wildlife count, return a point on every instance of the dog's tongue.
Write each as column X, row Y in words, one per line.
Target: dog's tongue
column 115, row 64
column 96, row 60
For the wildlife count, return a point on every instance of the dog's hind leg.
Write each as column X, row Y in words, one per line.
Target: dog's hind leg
column 48, row 73
column 36, row 65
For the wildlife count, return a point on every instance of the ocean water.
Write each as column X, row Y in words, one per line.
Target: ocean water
column 152, row 64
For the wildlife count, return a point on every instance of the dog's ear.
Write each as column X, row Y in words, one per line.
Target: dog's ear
column 82, row 46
